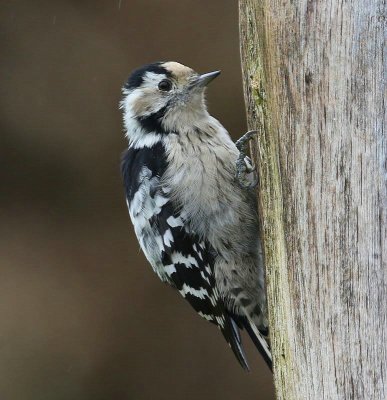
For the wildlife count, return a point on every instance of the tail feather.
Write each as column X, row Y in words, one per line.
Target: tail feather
column 260, row 342
column 237, row 346
column 256, row 336
column 233, row 337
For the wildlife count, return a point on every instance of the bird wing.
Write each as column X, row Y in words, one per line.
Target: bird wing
column 189, row 262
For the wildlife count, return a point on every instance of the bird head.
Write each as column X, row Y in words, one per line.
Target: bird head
column 164, row 97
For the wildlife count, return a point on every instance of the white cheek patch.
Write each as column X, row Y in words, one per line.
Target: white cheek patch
column 131, row 98
column 145, row 100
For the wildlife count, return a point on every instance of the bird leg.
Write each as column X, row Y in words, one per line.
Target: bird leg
column 244, row 166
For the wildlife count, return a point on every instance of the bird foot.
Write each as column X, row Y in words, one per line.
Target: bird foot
column 244, row 166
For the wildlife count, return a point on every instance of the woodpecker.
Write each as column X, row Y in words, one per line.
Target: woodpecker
column 187, row 191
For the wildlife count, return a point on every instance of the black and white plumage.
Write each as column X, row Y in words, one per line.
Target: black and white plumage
column 197, row 227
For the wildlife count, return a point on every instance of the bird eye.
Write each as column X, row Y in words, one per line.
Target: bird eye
column 165, row 85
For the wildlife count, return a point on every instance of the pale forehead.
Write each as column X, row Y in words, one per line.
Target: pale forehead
column 178, row 70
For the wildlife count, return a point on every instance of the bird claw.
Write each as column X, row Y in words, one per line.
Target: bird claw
column 243, row 163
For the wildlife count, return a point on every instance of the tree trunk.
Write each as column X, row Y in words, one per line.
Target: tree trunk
column 314, row 89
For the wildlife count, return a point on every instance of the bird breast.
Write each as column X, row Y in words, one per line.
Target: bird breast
column 201, row 170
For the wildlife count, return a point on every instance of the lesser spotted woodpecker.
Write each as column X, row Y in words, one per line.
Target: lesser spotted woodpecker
column 195, row 223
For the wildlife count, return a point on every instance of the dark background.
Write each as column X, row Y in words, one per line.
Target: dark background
column 82, row 316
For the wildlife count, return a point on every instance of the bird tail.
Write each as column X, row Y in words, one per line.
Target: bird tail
column 260, row 341
column 233, row 337
column 258, row 338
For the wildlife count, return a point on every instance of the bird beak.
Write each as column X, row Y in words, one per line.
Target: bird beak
column 205, row 79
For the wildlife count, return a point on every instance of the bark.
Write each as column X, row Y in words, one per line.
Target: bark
column 314, row 89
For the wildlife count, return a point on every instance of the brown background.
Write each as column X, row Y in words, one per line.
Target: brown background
column 82, row 316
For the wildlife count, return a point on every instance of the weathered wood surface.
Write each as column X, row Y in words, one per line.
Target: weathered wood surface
column 314, row 76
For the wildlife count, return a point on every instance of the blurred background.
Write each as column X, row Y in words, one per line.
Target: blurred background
column 82, row 316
